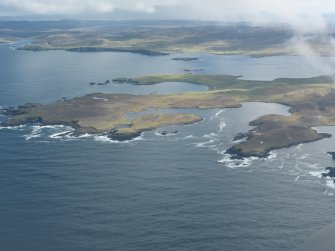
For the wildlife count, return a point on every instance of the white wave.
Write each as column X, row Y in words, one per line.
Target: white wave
column 236, row 163
column 222, row 125
column 35, row 133
column 86, row 135
column 54, row 127
column 298, row 147
column 329, row 192
column 60, row 135
column 106, row 139
column 13, row 127
column 38, row 131
column 317, row 174
column 96, row 98
column 272, row 155
column 218, row 113
column 330, row 183
column 205, row 144
column 189, row 137
column 314, row 166
column 31, row 136
column 210, row 136
column 304, row 156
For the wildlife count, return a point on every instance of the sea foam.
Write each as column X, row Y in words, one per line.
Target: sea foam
column 235, row 163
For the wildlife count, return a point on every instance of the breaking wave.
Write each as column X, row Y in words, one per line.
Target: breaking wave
column 106, row 139
column 63, row 133
column 228, row 161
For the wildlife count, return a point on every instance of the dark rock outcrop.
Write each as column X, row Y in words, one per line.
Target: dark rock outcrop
column 332, row 154
column 125, row 81
column 165, row 133
column 13, row 122
column 185, row 59
column 240, row 136
column 330, row 172
column 115, row 135
column 237, row 153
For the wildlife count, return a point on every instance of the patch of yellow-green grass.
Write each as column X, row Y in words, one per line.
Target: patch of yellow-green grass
column 214, row 82
column 153, row 121
column 224, row 82
column 107, row 111
column 4, row 40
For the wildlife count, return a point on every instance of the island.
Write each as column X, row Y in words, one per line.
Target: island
column 312, row 102
column 166, row 37
column 186, row 59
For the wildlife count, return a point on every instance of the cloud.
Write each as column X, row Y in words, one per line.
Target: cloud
column 208, row 9
column 60, row 7
column 299, row 13
column 302, row 15
column 68, row 7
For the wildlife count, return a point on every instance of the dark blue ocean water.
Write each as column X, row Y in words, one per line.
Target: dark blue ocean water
column 178, row 192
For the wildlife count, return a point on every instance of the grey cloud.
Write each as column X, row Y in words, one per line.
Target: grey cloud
column 300, row 14
column 305, row 17
column 68, row 7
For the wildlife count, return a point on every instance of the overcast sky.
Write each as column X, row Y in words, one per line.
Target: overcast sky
column 299, row 13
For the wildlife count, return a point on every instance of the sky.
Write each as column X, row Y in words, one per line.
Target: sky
column 298, row 13
column 303, row 16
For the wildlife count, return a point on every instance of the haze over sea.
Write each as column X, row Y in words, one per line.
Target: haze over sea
column 176, row 192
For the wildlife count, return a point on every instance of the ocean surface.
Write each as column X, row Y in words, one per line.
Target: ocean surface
column 175, row 192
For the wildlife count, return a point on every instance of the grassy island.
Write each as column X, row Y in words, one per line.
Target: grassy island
column 312, row 102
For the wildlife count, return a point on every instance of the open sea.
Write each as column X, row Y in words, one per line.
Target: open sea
column 175, row 192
